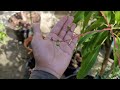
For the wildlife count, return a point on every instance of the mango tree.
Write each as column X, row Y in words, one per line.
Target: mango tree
column 97, row 28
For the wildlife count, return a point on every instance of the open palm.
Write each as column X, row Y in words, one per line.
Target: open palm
column 53, row 54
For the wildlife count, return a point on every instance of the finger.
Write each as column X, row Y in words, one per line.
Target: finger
column 35, row 17
column 69, row 34
column 73, row 43
column 36, row 30
column 54, row 37
column 65, row 27
column 57, row 28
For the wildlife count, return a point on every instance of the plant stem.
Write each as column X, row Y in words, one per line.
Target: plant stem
column 106, row 58
column 104, row 17
column 90, row 32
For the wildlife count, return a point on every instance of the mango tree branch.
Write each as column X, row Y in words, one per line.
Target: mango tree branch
column 106, row 58
column 90, row 32
column 107, row 48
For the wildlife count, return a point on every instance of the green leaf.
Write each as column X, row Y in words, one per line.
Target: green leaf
column 94, row 25
column 87, row 42
column 112, row 21
column 79, row 15
column 102, row 36
column 89, row 51
column 89, row 45
column 115, row 58
column 84, row 38
column 116, row 50
column 88, row 62
column 86, row 19
column 117, row 17
column 108, row 15
column 97, row 39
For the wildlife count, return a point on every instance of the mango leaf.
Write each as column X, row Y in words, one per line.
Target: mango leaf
column 95, row 24
column 117, row 17
column 116, row 51
column 90, row 49
column 86, row 19
column 98, row 38
column 112, row 21
column 88, row 46
column 88, row 62
column 118, row 42
column 108, row 15
column 101, row 37
column 79, row 15
column 84, row 38
column 115, row 57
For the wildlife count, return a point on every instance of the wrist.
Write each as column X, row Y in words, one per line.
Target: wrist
column 49, row 70
column 39, row 74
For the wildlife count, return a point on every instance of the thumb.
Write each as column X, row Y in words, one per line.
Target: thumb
column 36, row 30
column 36, row 18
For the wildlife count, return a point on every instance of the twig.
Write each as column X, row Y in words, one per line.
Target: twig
column 111, row 31
column 104, row 17
column 77, row 36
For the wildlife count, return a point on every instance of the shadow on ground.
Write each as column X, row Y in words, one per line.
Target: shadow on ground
column 13, row 57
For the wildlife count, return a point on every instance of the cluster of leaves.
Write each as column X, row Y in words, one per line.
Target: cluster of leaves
column 2, row 33
column 90, row 44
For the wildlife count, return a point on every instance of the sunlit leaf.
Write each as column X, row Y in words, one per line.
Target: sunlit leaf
column 86, row 19
column 117, row 17
column 79, row 15
column 108, row 15
column 94, row 25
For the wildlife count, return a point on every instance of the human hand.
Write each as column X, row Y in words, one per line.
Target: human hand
column 53, row 54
